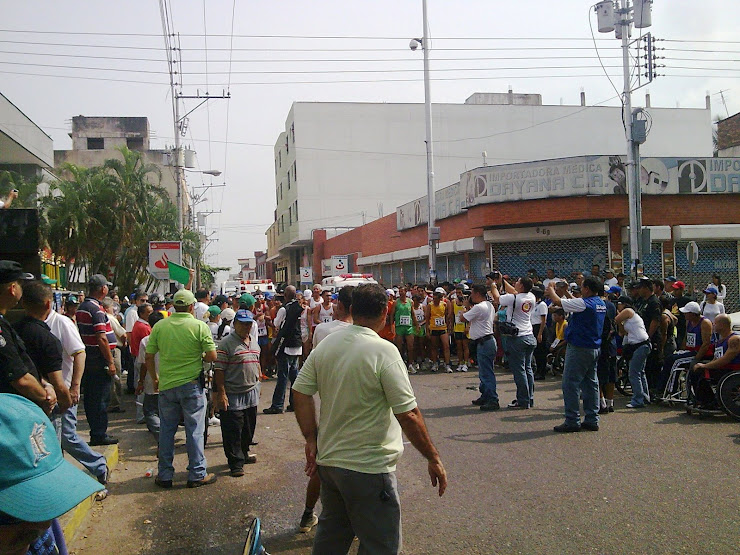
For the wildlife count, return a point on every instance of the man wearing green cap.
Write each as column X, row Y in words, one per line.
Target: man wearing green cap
column 36, row 483
column 183, row 344
column 247, row 302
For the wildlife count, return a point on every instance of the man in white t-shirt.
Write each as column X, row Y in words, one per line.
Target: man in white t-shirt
column 200, row 310
column 610, row 280
column 73, row 366
column 480, row 315
column 520, row 346
column 342, row 317
column 539, row 330
column 550, row 277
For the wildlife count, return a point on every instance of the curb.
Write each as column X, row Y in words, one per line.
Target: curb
column 72, row 520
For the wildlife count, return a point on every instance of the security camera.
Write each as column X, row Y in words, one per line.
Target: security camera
column 414, row 44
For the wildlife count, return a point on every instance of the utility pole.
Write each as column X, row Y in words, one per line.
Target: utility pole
column 432, row 229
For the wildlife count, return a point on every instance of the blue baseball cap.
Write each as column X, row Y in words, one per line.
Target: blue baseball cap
column 614, row 290
column 712, row 289
column 36, row 483
column 244, row 316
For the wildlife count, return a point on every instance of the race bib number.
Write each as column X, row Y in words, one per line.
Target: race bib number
column 261, row 331
column 326, row 319
column 458, row 317
column 404, row 320
column 439, row 322
column 719, row 352
column 691, row 340
column 420, row 317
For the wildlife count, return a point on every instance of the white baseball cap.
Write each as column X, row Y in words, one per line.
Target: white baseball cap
column 440, row 290
column 691, row 307
column 390, row 292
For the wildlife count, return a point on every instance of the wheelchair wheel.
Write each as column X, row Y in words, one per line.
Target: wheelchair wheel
column 728, row 394
column 623, row 384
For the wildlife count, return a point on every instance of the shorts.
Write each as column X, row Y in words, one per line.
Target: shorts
column 460, row 336
column 606, row 369
column 421, row 331
column 438, row 333
column 404, row 330
column 263, row 340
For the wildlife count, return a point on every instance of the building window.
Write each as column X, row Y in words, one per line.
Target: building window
column 295, row 171
column 292, row 132
column 135, row 143
column 281, row 191
column 280, row 158
column 290, row 215
column 95, row 143
column 295, row 210
column 288, row 180
column 276, row 166
column 287, row 146
column 282, row 222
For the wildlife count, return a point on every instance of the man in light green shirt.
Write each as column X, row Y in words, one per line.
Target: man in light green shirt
column 183, row 344
column 366, row 400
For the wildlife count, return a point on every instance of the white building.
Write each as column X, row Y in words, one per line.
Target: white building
column 338, row 165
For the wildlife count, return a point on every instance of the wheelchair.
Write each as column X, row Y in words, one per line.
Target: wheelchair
column 555, row 362
column 716, row 395
column 676, row 390
column 623, row 384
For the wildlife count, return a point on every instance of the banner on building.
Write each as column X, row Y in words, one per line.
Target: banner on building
column 306, row 275
column 339, row 265
column 571, row 177
column 161, row 252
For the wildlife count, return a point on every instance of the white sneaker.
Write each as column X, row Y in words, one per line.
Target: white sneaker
column 213, row 421
column 449, row 369
column 462, row 368
column 417, row 366
column 412, row 370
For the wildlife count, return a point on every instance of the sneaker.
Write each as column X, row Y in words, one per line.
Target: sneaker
column 412, row 370
column 479, row 401
column 308, row 521
column 589, row 426
column 103, row 478
column 490, row 405
column 462, row 368
column 213, row 421
column 166, row 484
column 289, row 408
column 610, row 408
column 237, row 473
column 272, row 410
column 250, row 459
column 631, row 406
column 513, row 405
column 433, row 367
column 448, row 369
column 417, row 366
column 207, row 480
column 567, row 428
column 604, row 410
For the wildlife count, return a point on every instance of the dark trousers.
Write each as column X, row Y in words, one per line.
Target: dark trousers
column 540, row 352
column 237, row 431
column 127, row 364
column 96, row 384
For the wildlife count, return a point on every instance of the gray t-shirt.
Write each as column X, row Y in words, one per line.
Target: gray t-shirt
column 239, row 363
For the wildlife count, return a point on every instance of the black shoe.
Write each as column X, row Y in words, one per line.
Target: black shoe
column 250, row 459
column 254, row 443
column 272, row 410
column 166, row 484
column 611, row 408
column 107, row 440
column 289, row 408
column 490, row 405
column 589, row 427
column 604, row 410
column 236, row 473
column 116, row 410
column 567, row 428
column 207, row 480
column 479, row 401
column 308, row 521
column 539, row 377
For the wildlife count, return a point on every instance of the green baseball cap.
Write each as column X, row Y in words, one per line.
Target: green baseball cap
column 213, row 310
column 184, row 297
column 247, row 299
column 36, row 483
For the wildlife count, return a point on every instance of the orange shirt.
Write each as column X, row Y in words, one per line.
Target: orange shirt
column 389, row 331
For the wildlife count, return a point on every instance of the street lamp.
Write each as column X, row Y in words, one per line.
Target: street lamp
column 432, row 230
column 214, row 173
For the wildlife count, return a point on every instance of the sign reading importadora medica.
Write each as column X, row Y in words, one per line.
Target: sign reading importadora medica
column 339, row 265
column 161, row 252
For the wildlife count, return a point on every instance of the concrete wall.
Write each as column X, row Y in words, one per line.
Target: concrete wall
column 22, row 142
column 114, row 130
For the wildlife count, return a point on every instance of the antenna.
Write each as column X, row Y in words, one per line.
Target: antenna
column 722, row 96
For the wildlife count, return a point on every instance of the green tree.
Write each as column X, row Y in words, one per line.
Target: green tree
column 27, row 189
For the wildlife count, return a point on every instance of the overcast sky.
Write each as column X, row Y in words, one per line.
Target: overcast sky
column 131, row 79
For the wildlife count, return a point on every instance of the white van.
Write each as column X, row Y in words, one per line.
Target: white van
column 256, row 285
column 335, row 283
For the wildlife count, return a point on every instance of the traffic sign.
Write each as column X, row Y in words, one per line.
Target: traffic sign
column 692, row 252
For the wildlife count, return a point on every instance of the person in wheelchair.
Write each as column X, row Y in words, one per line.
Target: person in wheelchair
column 558, row 346
column 726, row 359
column 696, row 347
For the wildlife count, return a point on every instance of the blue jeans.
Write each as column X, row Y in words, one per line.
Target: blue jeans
column 189, row 400
column 638, row 381
column 486, row 357
column 73, row 444
column 151, row 414
column 579, row 380
column 287, row 366
column 521, row 349
column 96, row 385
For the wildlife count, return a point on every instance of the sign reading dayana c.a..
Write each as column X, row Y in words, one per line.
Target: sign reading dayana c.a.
column 571, row 177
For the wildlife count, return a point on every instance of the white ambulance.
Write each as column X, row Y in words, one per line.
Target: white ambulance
column 335, row 283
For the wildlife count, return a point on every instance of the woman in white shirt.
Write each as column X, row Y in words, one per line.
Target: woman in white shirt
column 636, row 348
column 711, row 307
column 721, row 288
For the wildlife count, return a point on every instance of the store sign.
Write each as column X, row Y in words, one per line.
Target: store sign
column 306, row 276
column 160, row 252
column 339, row 265
column 572, row 177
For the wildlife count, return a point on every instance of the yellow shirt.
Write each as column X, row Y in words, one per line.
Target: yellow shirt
column 560, row 330
column 459, row 321
column 437, row 315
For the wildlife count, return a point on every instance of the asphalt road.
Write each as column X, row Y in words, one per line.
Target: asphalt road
column 650, row 481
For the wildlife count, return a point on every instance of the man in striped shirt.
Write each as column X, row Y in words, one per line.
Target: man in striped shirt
column 97, row 335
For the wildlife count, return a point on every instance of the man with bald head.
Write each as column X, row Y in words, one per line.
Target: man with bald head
column 287, row 347
column 726, row 356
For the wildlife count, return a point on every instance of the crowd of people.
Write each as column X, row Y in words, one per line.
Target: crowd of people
column 197, row 359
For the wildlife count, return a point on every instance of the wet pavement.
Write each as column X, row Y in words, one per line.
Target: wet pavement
column 650, row 481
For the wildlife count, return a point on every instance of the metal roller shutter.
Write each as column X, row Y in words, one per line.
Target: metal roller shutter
column 478, row 266
column 456, row 267
column 386, row 275
column 441, row 268
column 652, row 265
column 715, row 257
column 562, row 255
column 396, row 273
column 409, row 271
